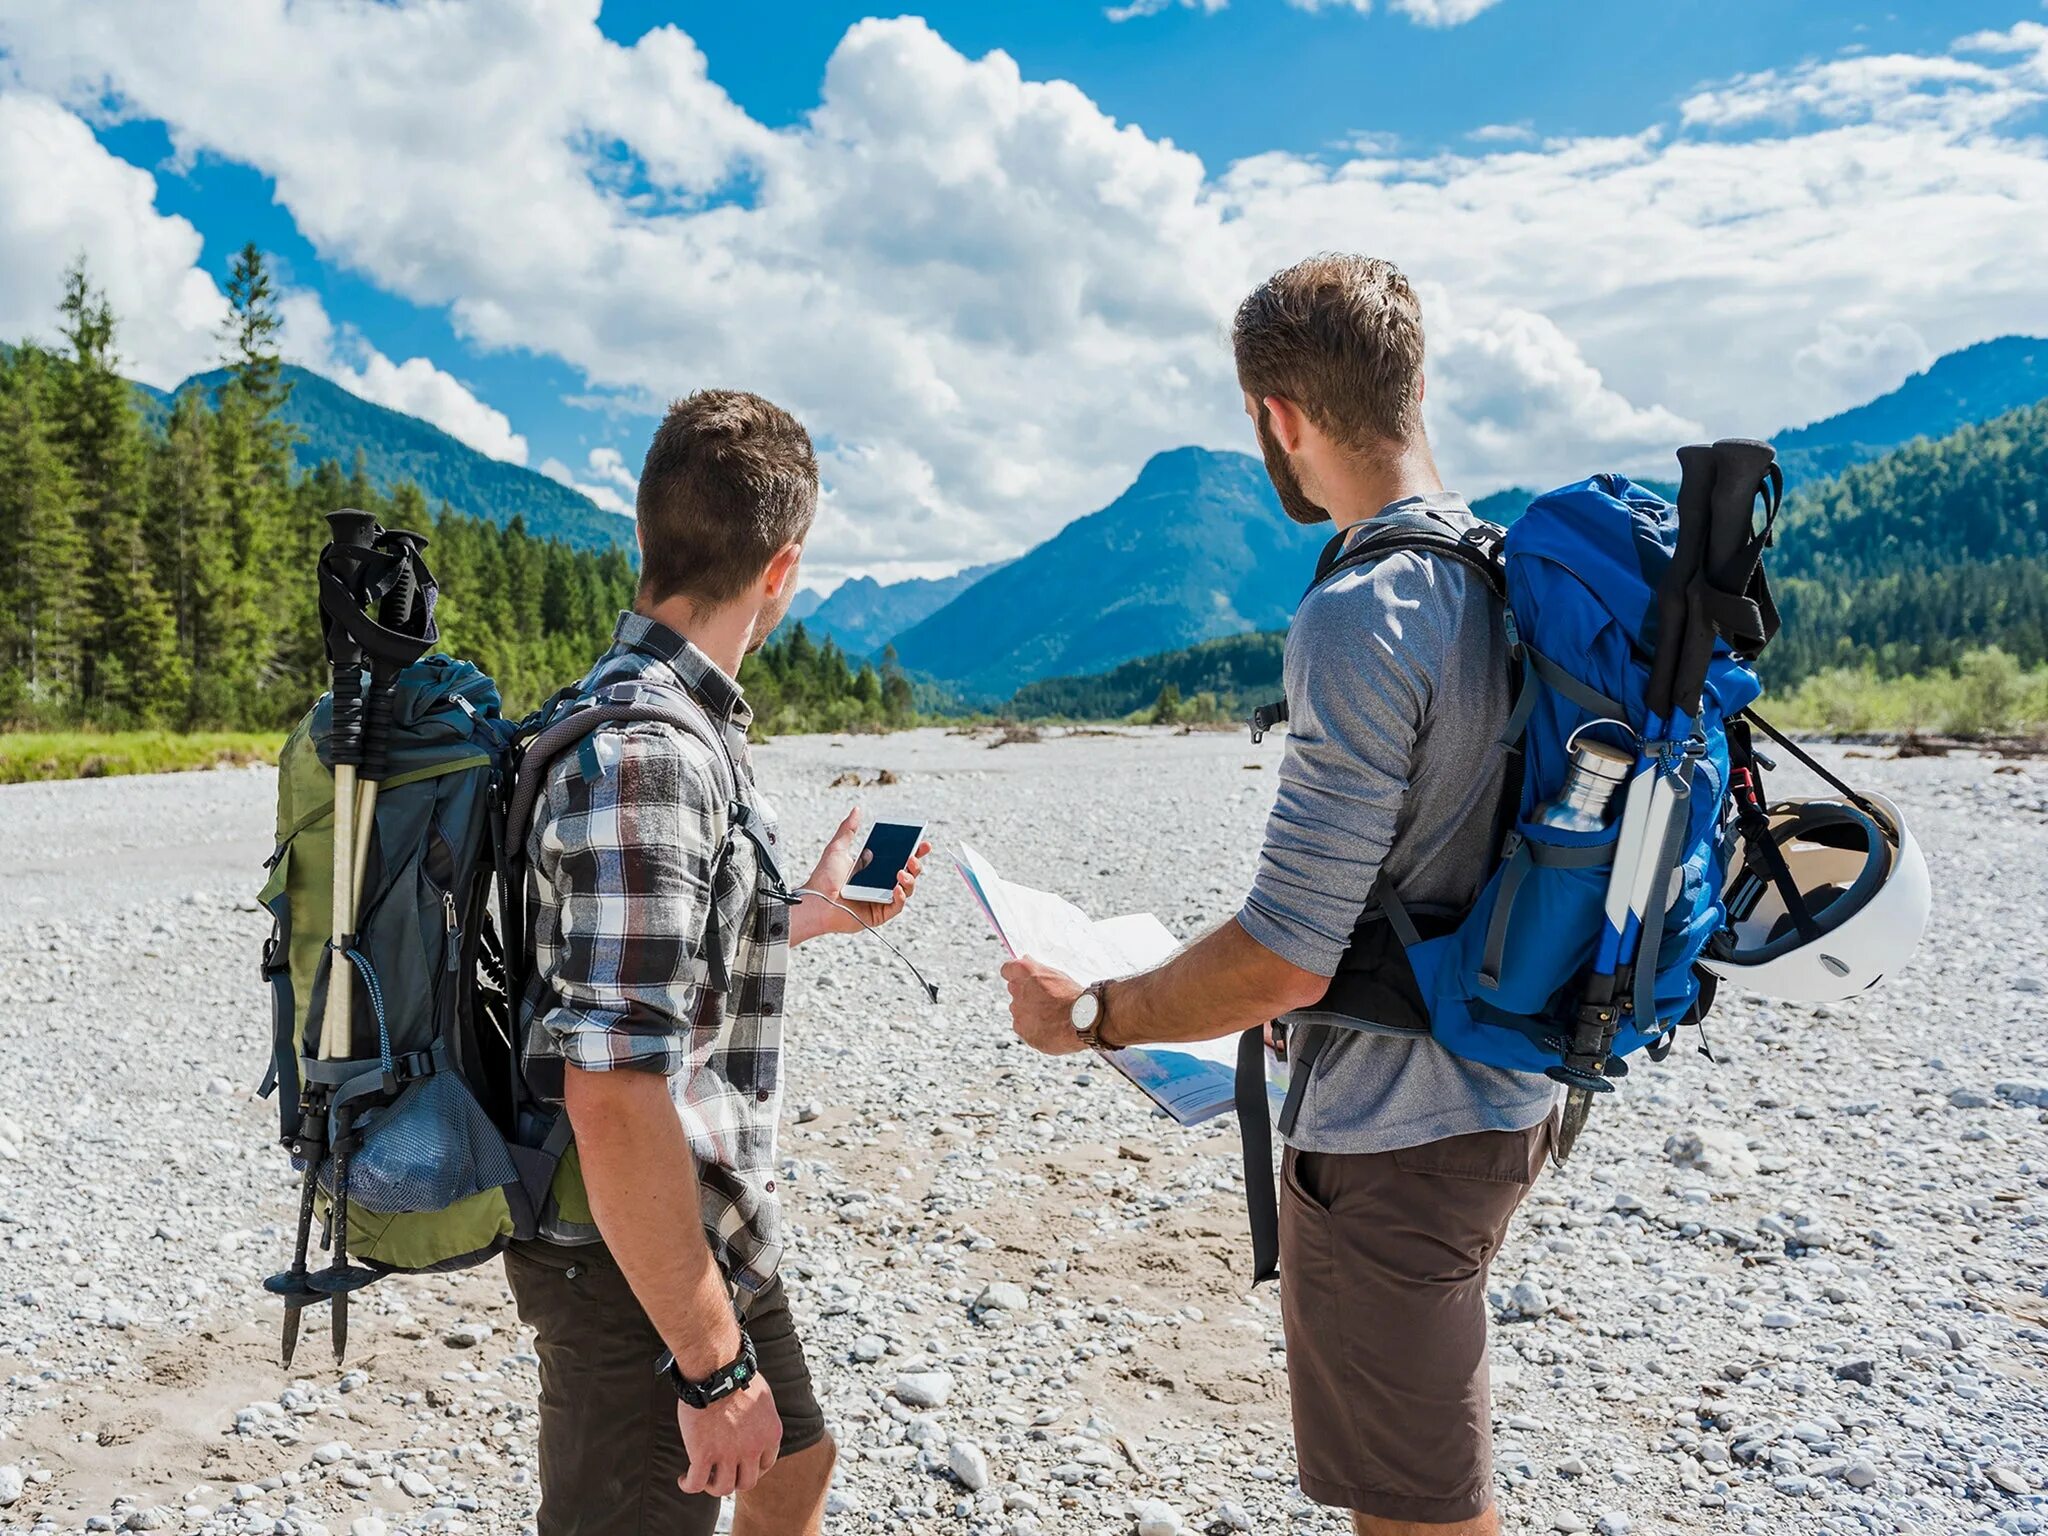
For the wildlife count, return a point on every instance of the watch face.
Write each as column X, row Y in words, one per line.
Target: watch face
column 1087, row 1008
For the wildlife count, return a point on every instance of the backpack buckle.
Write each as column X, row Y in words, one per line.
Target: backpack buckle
column 412, row 1066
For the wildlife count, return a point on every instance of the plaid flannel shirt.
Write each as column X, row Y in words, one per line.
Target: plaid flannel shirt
column 625, row 871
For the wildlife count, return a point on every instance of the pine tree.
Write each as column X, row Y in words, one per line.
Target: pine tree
column 253, row 462
column 131, row 669
column 42, row 556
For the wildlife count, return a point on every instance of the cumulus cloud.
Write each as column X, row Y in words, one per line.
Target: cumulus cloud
column 415, row 386
column 62, row 196
column 991, row 301
column 604, row 478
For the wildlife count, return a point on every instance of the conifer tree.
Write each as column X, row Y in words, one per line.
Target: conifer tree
column 131, row 669
column 42, row 557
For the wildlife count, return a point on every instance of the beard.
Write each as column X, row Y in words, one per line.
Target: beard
column 767, row 622
column 1286, row 483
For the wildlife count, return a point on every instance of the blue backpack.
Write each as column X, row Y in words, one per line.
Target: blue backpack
column 1501, row 981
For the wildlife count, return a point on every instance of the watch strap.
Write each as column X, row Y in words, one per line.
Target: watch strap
column 735, row 1376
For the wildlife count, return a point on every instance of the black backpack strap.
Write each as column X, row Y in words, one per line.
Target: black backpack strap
column 1479, row 548
column 632, row 703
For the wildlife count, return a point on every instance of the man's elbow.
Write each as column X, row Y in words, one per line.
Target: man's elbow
column 1298, row 989
column 601, row 1102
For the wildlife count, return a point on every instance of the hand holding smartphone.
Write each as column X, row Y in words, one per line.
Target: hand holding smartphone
column 890, row 845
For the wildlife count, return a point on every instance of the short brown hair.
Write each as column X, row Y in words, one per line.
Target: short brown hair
column 729, row 479
column 1340, row 336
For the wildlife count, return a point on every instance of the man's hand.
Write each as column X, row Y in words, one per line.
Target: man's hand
column 731, row 1443
column 1042, row 1006
column 836, row 866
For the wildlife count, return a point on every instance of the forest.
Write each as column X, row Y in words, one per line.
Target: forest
column 157, row 566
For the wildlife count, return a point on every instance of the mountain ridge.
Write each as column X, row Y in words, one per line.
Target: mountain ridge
column 1079, row 602
column 335, row 422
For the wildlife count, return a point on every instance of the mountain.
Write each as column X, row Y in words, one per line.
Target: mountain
column 803, row 605
column 864, row 615
column 1197, row 547
column 1972, row 385
column 334, row 424
column 1901, row 564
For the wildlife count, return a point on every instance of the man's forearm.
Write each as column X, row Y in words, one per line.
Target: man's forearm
column 1223, row 983
column 641, row 1178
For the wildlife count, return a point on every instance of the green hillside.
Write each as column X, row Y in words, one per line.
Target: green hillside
column 1900, row 566
column 397, row 448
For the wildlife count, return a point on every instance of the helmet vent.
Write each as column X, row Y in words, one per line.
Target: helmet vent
column 1835, row 967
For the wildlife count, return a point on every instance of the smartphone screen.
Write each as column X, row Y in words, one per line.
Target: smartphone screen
column 892, row 843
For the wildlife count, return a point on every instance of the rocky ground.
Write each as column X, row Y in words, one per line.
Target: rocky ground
column 1798, row 1290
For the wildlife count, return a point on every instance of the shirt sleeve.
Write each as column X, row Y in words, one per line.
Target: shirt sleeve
column 629, row 850
column 1361, row 655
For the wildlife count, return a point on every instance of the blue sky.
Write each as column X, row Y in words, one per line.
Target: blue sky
column 992, row 299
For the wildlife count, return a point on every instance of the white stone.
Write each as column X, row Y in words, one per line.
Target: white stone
column 969, row 1463
column 2011, row 1479
column 1714, row 1150
column 1157, row 1518
column 11, row 1485
column 923, row 1389
column 1612, row 1523
column 466, row 1335
column 1002, row 1296
column 1860, row 1474
column 367, row 1525
column 1528, row 1300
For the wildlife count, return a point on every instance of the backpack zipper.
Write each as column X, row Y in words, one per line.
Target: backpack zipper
column 454, row 929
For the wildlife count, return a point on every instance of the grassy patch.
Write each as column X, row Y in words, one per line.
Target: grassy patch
column 31, row 756
column 1986, row 695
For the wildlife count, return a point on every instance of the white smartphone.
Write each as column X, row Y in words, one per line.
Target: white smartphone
column 892, row 843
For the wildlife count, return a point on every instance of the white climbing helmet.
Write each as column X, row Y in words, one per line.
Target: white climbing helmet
column 1864, row 884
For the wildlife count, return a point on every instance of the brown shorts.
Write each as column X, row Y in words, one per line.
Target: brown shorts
column 1383, row 1260
column 610, row 1452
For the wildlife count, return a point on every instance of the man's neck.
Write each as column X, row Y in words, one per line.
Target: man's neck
column 723, row 634
column 1369, row 488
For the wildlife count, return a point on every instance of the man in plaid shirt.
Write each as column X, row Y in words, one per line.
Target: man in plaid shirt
column 655, row 1018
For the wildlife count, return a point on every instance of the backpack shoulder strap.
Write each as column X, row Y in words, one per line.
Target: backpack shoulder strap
column 1479, row 548
column 625, row 703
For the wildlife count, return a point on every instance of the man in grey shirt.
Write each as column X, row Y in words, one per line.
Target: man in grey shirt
column 1405, row 1162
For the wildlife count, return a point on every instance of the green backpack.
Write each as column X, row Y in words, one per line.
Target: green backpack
column 423, row 1148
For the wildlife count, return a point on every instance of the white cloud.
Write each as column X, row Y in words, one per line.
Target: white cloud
column 414, row 386
column 62, row 196
column 1133, row 9
column 604, row 478
column 1862, row 360
column 991, row 301
column 1428, row 13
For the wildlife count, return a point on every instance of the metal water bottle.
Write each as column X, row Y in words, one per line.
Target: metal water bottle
column 1597, row 772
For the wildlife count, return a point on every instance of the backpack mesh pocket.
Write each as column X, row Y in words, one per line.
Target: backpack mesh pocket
column 432, row 1146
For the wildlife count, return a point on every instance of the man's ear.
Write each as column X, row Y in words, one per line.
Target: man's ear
column 782, row 568
column 1287, row 422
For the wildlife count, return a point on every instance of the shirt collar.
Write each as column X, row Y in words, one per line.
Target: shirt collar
column 718, row 693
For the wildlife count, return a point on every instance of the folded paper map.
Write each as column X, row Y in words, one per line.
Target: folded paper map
column 1192, row 1081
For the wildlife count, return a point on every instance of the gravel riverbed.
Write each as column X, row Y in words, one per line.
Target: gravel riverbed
column 1801, row 1288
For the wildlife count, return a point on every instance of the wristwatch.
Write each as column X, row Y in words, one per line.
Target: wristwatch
column 723, row 1382
column 1089, row 1013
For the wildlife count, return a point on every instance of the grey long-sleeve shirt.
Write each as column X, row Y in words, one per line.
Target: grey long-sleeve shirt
column 1397, row 695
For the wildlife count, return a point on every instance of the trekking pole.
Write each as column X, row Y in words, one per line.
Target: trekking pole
column 406, row 615
column 340, row 593
column 1647, row 819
